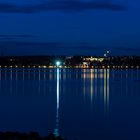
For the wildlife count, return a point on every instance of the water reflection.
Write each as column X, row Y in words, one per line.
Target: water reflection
column 92, row 83
column 88, row 97
column 11, row 79
column 106, row 90
column 96, row 83
column 56, row 131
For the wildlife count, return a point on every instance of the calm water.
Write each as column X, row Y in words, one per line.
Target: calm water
column 78, row 104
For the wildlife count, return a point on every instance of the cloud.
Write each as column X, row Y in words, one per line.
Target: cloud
column 130, row 49
column 45, row 48
column 17, row 36
column 4, row 37
column 61, row 48
column 69, row 5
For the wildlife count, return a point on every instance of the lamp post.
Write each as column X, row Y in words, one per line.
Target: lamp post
column 58, row 63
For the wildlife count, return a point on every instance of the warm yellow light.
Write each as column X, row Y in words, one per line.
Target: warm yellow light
column 50, row 66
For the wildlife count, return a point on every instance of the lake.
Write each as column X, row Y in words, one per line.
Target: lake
column 79, row 104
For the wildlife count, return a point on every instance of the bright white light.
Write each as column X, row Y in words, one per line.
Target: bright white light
column 58, row 63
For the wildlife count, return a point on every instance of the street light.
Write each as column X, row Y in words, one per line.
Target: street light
column 58, row 63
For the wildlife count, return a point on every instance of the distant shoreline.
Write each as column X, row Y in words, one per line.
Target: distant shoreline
column 42, row 67
column 104, row 62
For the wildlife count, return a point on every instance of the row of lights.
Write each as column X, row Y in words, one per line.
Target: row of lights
column 68, row 67
column 28, row 66
column 58, row 64
column 108, row 67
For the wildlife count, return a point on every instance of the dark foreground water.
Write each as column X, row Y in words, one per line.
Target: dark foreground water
column 78, row 104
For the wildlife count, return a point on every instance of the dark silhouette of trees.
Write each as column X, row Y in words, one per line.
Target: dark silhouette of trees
column 27, row 136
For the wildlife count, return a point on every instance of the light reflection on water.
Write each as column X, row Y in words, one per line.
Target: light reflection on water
column 72, row 102
column 56, row 131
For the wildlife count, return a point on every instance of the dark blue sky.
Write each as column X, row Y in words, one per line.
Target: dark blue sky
column 69, row 27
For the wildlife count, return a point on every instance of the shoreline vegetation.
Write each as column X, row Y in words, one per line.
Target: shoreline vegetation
column 105, row 62
column 27, row 136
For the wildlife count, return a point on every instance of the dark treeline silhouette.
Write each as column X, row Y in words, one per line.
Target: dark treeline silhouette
column 27, row 136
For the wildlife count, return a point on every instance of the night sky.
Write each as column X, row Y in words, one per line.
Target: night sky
column 41, row 27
